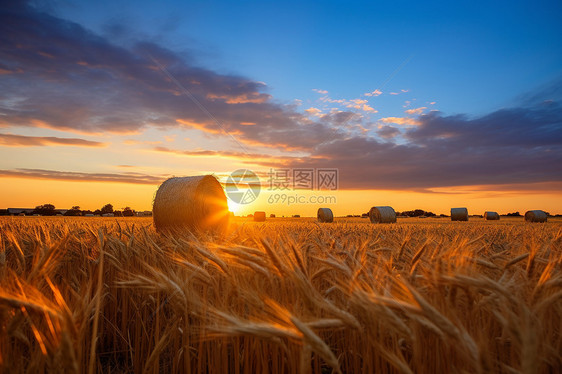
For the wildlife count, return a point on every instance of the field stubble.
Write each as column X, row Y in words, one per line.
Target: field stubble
column 420, row 296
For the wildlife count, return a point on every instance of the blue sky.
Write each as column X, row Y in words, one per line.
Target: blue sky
column 469, row 57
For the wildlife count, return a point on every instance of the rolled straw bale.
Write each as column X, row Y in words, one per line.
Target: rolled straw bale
column 325, row 215
column 459, row 214
column 259, row 216
column 382, row 214
column 272, row 215
column 491, row 216
column 190, row 203
column 535, row 216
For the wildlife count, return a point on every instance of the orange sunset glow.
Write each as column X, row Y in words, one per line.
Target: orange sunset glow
column 87, row 118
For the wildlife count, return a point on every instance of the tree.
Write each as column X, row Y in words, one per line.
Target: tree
column 45, row 210
column 415, row 213
column 74, row 211
column 107, row 208
column 128, row 212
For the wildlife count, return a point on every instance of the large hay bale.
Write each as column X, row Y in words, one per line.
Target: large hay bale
column 491, row 216
column 325, row 215
column 459, row 214
column 382, row 214
column 190, row 203
column 259, row 216
column 535, row 216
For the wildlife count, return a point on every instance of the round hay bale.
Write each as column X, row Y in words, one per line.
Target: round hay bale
column 325, row 215
column 259, row 216
column 491, row 216
column 272, row 215
column 190, row 203
column 382, row 214
column 535, row 216
column 459, row 214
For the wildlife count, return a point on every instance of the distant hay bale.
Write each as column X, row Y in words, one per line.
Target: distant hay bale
column 459, row 214
column 259, row 216
column 272, row 215
column 190, row 203
column 535, row 216
column 491, row 216
column 382, row 214
column 325, row 215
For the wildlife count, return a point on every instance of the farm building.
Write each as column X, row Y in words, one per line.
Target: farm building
column 18, row 211
column 29, row 211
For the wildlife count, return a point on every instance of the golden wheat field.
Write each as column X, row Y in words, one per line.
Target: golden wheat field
column 106, row 295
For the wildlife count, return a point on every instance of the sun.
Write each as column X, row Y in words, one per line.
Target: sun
column 232, row 206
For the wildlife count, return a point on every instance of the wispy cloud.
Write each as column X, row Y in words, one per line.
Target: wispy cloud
column 322, row 92
column 262, row 159
column 134, row 178
column 11, row 140
column 376, row 92
column 400, row 121
column 417, row 111
column 358, row 104
column 313, row 111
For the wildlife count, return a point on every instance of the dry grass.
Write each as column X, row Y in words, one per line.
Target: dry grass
column 286, row 296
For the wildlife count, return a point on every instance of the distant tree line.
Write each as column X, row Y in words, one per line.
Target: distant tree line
column 415, row 213
column 75, row 211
